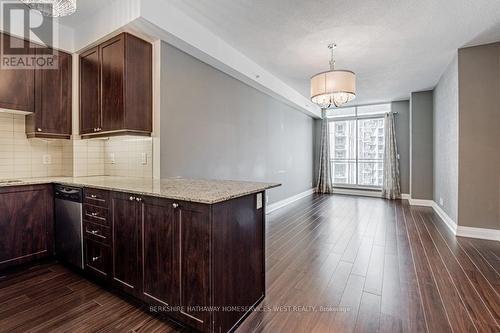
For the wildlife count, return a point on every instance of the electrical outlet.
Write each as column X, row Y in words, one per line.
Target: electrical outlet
column 47, row 159
column 144, row 158
column 440, row 201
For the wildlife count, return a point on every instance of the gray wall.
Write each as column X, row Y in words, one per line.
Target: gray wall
column 403, row 141
column 479, row 143
column 214, row 126
column 446, row 141
column 422, row 185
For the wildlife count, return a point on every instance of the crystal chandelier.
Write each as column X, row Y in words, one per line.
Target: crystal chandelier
column 52, row 8
column 334, row 87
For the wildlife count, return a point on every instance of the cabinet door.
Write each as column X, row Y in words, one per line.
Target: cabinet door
column 194, row 248
column 125, row 231
column 90, row 107
column 138, row 85
column 26, row 224
column 112, row 77
column 17, row 86
column 52, row 116
column 159, row 264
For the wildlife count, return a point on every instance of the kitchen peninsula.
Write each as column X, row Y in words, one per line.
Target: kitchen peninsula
column 192, row 248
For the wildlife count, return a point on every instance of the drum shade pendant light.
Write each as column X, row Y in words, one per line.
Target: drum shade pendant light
column 334, row 87
column 52, row 8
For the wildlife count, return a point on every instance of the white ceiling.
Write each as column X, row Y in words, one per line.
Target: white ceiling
column 394, row 46
column 84, row 9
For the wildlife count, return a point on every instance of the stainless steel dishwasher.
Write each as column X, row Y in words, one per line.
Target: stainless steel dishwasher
column 69, row 228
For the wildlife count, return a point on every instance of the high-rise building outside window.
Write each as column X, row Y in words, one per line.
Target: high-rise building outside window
column 357, row 145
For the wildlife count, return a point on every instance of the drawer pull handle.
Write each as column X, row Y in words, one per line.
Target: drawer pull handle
column 175, row 205
column 95, row 233
column 94, row 259
column 138, row 199
column 95, row 216
column 93, row 196
column 132, row 198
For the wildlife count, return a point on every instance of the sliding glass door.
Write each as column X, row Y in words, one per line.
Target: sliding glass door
column 357, row 146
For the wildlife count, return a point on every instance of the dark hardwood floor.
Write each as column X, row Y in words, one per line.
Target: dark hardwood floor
column 334, row 264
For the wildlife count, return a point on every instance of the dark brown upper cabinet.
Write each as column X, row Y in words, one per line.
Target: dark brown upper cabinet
column 44, row 95
column 116, row 88
column 90, row 106
column 52, row 117
column 17, row 86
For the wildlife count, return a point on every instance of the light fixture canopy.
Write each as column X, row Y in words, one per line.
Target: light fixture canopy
column 52, row 8
column 334, row 87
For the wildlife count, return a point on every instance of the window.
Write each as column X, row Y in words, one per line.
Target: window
column 357, row 145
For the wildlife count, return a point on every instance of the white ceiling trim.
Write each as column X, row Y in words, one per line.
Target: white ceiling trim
column 159, row 20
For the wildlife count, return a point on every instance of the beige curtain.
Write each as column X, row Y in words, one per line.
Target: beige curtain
column 325, row 184
column 391, row 186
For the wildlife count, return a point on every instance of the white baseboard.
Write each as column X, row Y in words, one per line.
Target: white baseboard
column 482, row 233
column 364, row 193
column 448, row 221
column 405, row 196
column 282, row 203
column 421, row 202
column 452, row 225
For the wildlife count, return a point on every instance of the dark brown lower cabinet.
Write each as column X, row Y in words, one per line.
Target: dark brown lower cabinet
column 26, row 224
column 193, row 246
column 187, row 258
column 159, row 260
column 125, row 230
column 201, row 264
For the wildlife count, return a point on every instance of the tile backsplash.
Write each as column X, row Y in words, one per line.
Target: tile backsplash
column 128, row 156
column 88, row 157
column 21, row 157
column 116, row 156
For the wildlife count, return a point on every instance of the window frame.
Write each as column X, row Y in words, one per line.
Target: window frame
column 356, row 117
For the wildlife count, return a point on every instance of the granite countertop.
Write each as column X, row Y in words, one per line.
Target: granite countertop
column 194, row 190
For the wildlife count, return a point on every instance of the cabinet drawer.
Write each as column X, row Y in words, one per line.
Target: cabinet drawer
column 95, row 214
column 97, row 258
column 96, row 197
column 97, row 232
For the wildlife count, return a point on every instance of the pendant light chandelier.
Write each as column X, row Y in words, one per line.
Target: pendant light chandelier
column 334, row 87
column 52, row 8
